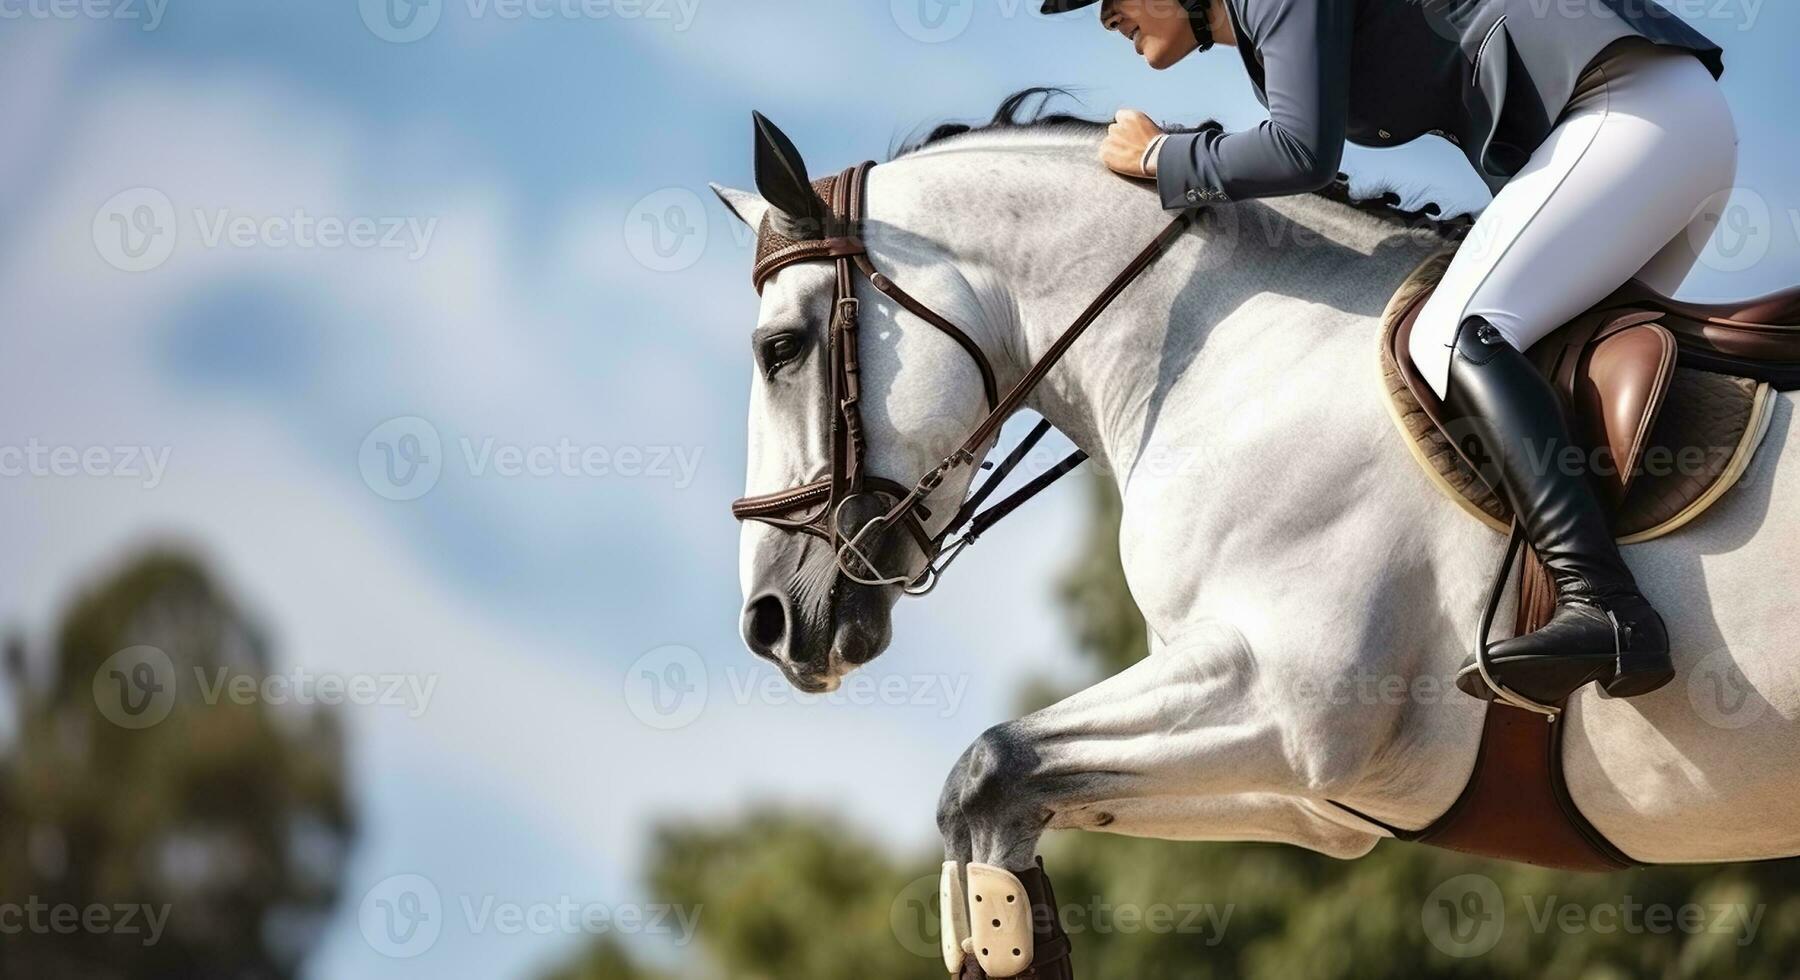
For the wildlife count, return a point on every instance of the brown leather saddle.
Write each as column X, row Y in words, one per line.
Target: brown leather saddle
column 1670, row 401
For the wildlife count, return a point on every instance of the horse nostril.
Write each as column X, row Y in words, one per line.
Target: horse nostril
column 765, row 626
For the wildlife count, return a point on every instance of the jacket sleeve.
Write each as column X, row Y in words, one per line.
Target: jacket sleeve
column 1305, row 51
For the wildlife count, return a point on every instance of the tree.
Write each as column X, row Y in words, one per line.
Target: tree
column 192, row 835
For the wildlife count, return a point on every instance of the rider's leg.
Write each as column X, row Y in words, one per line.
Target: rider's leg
column 1646, row 143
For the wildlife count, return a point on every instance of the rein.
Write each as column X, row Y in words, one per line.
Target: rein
column 816, row 508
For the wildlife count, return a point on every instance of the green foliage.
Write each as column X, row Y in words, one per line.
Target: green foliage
column 801, row 897
column 1105, row 622
column 785, row 895
column 227, row 819
column 606, row 959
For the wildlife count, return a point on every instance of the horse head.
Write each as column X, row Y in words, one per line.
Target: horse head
column 810, row 607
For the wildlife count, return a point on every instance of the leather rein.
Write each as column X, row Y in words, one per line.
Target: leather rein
column 816, row 508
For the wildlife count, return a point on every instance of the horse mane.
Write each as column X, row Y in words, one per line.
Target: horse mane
column 1028, row 110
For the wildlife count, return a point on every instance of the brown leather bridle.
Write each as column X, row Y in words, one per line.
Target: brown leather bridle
column 816, row 508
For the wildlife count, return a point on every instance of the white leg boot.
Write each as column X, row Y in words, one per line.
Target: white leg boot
column 954, row 910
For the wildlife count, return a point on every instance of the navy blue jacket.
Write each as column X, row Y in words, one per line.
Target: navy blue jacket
column 1492, row 76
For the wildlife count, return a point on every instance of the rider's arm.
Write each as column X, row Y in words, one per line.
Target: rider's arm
column 1305, row 50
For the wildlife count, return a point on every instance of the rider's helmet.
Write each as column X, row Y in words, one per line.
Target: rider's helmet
column 1198, row 11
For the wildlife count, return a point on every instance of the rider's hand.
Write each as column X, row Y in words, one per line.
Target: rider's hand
column 1126, row 140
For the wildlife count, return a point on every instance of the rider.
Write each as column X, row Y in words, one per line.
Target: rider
column 1602, row 131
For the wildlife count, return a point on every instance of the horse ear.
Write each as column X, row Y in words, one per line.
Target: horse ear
column 748, row 207
column 795, row 208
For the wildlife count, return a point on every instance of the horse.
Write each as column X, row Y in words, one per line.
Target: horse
column 1289, row 559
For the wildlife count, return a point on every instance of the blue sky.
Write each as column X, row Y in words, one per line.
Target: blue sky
column 526, row 169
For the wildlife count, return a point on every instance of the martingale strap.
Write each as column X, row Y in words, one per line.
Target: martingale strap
column 814, row 508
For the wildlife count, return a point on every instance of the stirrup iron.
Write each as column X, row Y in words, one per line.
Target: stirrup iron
column 1515, row 542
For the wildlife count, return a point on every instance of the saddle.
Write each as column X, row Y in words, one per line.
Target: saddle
column 1669, row 401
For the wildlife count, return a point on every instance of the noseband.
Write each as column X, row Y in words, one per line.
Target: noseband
column 816, row 508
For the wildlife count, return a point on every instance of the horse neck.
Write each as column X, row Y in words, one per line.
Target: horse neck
column 1034, row 230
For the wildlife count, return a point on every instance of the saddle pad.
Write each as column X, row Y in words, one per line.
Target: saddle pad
column 1704, row 438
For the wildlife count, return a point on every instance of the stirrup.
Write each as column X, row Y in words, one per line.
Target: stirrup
column 1000, row 917
column 1515, row 542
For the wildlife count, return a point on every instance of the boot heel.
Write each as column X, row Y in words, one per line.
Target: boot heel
column 1638, row 674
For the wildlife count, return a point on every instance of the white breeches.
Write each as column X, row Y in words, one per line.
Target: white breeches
column 1631, row 182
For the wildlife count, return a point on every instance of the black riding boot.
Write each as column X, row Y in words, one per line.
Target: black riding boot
column 1510, row 419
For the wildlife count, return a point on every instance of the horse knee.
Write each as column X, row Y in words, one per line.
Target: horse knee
column 952, row 824
column 997, row 771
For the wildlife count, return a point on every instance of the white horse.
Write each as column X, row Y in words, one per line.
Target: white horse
column 1309, row 594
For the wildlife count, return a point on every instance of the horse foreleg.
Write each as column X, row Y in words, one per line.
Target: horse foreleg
column 1196, row 723
column 1245, row 817
column 1195, row 720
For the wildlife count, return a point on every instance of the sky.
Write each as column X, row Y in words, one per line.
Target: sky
column 421, row 324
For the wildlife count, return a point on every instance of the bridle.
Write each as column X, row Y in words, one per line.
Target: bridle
column 816, row 508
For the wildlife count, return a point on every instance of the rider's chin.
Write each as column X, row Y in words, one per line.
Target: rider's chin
column 1160, row 54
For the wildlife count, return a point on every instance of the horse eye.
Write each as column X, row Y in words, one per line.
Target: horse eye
column 778, row 350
